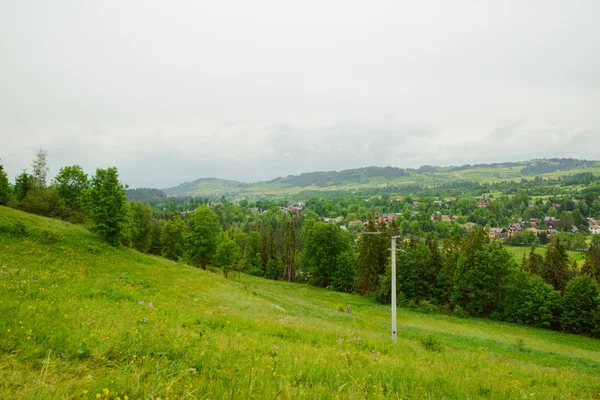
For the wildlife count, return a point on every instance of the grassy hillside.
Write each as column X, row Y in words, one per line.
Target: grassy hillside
column 375, row 177
column 80, row 319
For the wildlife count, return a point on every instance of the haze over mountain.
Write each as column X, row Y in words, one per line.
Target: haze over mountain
column 169, row 91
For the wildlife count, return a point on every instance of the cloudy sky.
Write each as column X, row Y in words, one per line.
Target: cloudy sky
column 171, row 91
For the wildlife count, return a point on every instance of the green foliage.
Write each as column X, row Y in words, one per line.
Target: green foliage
column 227, row 252
column 527, row 238
column 108, row 204
column 344, row 277
column 556, row 269
column 155, row 236
column 172, row 238
column 48, row 203
column 431, row 343
column 530, row 300
column 72, row 185
column 416, row 274
column 534, row 263
column 324, row 243
column 140, row 226
column 274, row 269
column 481, row 278
column 5, row 189
column 23, row 184
column 581, row 306
column 203, row 236
column 591, row 266
column 372, row 258
column 76, row 316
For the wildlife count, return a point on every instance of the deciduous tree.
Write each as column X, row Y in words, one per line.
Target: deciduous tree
column 108, row 204
column 203, row 236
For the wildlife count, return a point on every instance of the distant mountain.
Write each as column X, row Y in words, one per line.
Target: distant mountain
column 381, row 177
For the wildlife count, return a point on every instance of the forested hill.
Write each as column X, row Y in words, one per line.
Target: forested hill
column 384, row 177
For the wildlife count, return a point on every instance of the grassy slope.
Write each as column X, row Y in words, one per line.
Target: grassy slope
column 71, row 325
column 218, row 187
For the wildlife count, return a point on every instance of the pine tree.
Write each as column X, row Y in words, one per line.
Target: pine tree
column 289, row 249
column 556, row 266
column 372, row 258
column 591, row 266
column 5, row 189
column 534, row 263
column 23, row 184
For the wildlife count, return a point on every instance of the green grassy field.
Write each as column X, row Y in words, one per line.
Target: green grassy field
column 219, row 187
column 80, row 319
column 519, row 251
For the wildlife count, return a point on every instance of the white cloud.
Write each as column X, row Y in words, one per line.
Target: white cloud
column 170, row 92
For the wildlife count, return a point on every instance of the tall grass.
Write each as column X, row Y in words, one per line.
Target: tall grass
column 80, row 319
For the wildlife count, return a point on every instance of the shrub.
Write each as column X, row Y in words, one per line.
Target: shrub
column 431, row 343
column 459, row 312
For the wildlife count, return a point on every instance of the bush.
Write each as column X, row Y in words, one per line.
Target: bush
column 431, row 343
column 274, row 269
column 49, row 237
column 45, row 202
column 459, row 312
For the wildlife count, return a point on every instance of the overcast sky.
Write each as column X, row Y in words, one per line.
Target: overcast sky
column 171, row 91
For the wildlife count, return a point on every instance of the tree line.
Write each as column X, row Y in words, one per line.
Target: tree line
column 455, row 270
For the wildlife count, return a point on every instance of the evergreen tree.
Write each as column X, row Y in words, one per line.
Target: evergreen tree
column 289, row 250
column 23, row 184
column 5, row 189
column 534, row 263
column 591, row 266
column 372, row 258
column 155, row 244
column 556, row 265
column 108, row 204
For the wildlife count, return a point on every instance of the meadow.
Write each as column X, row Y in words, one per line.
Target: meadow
column 444, row 175
column 519, row 251
column 81, row 319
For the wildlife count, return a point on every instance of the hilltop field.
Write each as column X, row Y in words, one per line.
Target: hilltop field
column 376, row 178
column 81, row 319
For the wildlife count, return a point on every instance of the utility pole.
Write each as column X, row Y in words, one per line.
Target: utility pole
column 394, row 250
column 394, row 288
